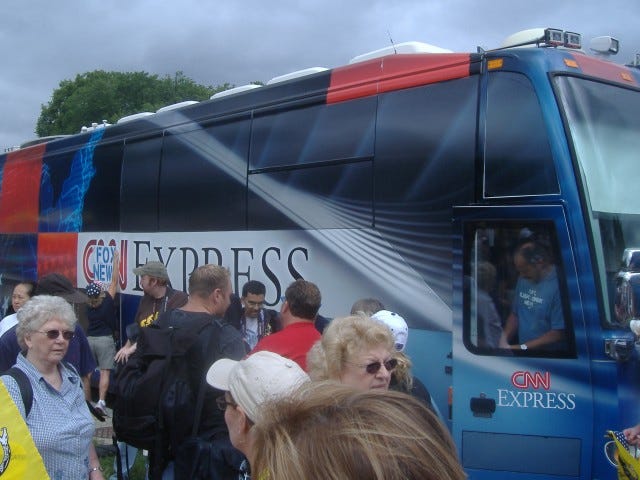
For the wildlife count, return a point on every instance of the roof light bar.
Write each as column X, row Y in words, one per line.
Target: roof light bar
column 572, row 40
column 554, row 37
column 543, row 37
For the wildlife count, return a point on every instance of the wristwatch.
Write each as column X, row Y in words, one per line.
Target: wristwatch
column 523, row 346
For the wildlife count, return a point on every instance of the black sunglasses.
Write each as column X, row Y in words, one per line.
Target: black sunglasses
column 54, row 334
column 374, row 367
column 223, row 403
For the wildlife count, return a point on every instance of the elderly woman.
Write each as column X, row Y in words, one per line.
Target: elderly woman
column 59, row 420
column 356, row 351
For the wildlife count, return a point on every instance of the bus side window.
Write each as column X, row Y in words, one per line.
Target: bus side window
column 518, row 159
column 203, row 177
column 319, row 161
column 514, row 301
column 139, row 192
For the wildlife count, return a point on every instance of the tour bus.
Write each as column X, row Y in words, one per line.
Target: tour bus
column 413, row 175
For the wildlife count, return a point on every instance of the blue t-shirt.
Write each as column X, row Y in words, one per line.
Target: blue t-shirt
column 538, row 306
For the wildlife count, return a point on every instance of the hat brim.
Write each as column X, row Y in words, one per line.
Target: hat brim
column 140, row 271
column 76, row 297
column 219, row 373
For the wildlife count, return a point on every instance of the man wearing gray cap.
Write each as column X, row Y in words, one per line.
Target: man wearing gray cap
column 248, row 384
column 159, row 297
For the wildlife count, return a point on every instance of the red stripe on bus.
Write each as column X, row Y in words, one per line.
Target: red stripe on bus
column 395, row 72
column 605, row 70
column 20, row 190
column 58, row 253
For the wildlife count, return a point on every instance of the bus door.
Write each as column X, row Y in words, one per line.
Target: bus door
column 522, row 400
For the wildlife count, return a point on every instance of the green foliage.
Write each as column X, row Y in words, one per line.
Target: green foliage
column 137, row 472
column 99, row 95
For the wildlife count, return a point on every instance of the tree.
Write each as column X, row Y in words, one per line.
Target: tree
column 99, row 95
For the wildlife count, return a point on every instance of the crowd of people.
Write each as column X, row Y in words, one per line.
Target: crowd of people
column 269, row 357
column 289, row 393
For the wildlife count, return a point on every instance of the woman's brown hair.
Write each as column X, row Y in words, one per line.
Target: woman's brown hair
column 334, row 432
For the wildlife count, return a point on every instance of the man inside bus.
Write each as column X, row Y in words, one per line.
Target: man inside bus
column 536, row 320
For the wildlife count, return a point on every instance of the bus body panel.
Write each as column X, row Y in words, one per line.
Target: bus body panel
column 392, row 179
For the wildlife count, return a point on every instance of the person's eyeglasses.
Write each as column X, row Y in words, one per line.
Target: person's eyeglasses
column 374, row 367
column 54, row 334
column 223, row 403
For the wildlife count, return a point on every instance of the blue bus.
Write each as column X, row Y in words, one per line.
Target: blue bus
column 437, row 182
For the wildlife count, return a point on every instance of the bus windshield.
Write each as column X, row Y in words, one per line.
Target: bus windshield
column 604, row 121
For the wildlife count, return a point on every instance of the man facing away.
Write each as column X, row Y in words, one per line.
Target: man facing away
column 209, row 298
column 159, row 297
column 297, row 314
column 249, row 316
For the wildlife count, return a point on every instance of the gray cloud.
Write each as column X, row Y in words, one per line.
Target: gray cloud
column 44, row 42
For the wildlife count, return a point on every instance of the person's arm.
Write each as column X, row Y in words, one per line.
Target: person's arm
column 509, row 330
column 552, row 336
column 125, row 352
column 95, row 471
column 130, row 345
column 112, row 289
column 632, row 434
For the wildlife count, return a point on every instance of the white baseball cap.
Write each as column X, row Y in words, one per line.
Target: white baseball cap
column 256, row 379
column 396, row 324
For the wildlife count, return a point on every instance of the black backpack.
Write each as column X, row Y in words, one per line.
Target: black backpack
column 155, row 403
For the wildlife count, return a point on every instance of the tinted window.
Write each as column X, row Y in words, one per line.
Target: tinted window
column 102, row 207
column 140, row 172
column 312, row 134
column 331, row 196
column 518, row 159
column 424, row 165
column 515, row 290
column 203, row 179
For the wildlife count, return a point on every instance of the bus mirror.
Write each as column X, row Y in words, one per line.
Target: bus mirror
column 605, row 45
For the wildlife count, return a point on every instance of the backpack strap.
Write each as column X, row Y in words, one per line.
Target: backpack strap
column 215, row 328
column 26, row 391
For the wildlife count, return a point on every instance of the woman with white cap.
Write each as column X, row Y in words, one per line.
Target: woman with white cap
column 248, row 384
column 356, row 351
column 402, row 379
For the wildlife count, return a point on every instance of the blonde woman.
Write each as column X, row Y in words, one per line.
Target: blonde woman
column 356, row 351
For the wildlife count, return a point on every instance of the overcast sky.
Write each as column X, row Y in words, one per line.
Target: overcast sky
column 43, row 42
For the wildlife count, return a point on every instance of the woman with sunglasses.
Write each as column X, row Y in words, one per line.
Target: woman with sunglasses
column 59, row 420
column 355, row 351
